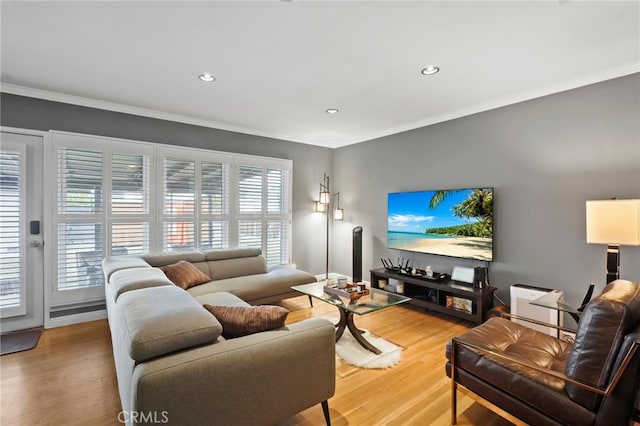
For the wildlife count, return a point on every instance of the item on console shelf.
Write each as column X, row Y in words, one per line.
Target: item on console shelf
column 460, row 304
column 392, row 285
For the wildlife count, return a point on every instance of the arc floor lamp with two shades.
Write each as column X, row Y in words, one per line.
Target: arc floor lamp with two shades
column 327, row 205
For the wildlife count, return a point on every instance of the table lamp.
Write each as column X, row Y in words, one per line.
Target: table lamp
column 615, row 223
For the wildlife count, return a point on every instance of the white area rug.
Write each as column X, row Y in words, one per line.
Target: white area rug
column 352, row 353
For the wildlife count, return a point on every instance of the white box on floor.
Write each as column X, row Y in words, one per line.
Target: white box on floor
column 522, row 295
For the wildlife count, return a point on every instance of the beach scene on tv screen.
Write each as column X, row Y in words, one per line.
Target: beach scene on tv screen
column 455, row 223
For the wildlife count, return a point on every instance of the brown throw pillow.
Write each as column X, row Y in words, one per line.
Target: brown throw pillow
column 185, row 275
column 242, row 320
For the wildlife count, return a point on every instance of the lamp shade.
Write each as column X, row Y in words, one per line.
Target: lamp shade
column 613, row 222
column 324, row 197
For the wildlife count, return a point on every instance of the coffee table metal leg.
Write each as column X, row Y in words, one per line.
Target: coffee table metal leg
column 357, row 334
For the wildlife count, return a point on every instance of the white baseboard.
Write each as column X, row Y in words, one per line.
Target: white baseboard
column 75, row 319
column 332, row 275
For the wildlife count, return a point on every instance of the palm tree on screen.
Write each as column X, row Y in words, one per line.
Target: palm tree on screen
column 479, row 205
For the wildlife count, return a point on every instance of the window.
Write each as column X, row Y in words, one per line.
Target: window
column 127, row 197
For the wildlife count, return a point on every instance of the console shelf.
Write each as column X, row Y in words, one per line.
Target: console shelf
column 444, row 296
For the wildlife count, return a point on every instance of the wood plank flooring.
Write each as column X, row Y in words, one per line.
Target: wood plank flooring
column 69, row 378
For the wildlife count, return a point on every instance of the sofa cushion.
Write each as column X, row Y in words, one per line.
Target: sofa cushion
column 256, row 287
column 159, row 260
column 221, row 298
column 161, row 320
column 116, row 263
column 240, row 321
column 185, row 275
column 233, row 253
column 125, row 280
column 237, row 267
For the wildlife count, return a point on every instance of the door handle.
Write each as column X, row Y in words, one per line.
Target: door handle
column 36, row 243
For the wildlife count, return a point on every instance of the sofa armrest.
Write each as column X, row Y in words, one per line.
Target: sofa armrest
column 258, row 379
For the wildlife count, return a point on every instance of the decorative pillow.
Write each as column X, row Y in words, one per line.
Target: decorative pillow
column 185, row 275
column 240, row 320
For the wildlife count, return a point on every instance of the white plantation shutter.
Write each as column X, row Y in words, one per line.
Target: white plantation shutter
column 277, row 242
column 130, row 184
column 130, row 238
column 80, row 234
column 179, row 182
column 250, row 203
column 79, row 182
column 214, row 205
column 277, row 194
column 263, row 210
column 130, row 204
column 79, row 255
column 12, row 268
column 278, row 217
column 250, row 190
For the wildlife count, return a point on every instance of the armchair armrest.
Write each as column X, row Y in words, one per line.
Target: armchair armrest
column 602, row 391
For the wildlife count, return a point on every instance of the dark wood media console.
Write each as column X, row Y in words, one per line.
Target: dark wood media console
column 444, row 295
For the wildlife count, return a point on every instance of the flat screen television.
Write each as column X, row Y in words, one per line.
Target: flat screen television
column 454, row 222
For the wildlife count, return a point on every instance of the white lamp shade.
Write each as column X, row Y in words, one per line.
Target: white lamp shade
column 338, row 214
column 324, row 197
column 613, row 222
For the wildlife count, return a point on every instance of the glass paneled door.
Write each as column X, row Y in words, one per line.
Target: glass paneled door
column 21, row 252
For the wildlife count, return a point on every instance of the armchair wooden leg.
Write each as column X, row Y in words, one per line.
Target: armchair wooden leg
column 325, row 411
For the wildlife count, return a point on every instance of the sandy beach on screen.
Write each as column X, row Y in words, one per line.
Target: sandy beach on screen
column 476, row 247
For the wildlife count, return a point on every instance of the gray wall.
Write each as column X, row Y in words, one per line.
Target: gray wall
column 309, row 162
column 544, row 157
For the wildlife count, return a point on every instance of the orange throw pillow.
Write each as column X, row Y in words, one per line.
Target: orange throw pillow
column 243, row 320
column 185, row 275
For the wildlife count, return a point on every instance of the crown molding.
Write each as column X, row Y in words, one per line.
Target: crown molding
column 133, row 110
column 540, row 92
column 554, row 88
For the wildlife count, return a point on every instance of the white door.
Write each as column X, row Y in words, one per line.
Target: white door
column 21, row 230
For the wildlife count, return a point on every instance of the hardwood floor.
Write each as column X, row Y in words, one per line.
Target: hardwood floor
column 69, row 378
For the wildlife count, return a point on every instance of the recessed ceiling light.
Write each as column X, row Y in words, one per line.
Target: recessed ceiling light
column 430, row 70
column 332, row 111
column 206, row 77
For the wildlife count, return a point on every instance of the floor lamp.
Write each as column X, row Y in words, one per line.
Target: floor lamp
column 615, row 223
column 325, row 205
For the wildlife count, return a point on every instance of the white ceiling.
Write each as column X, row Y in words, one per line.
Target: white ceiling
column 280, row 65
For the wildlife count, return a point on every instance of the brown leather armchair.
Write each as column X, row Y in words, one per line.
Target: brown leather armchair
column 543, row 380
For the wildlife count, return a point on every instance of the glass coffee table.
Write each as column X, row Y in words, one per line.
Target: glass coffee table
column 374, row 301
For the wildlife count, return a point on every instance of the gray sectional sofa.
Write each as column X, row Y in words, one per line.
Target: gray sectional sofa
column 174, row 366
